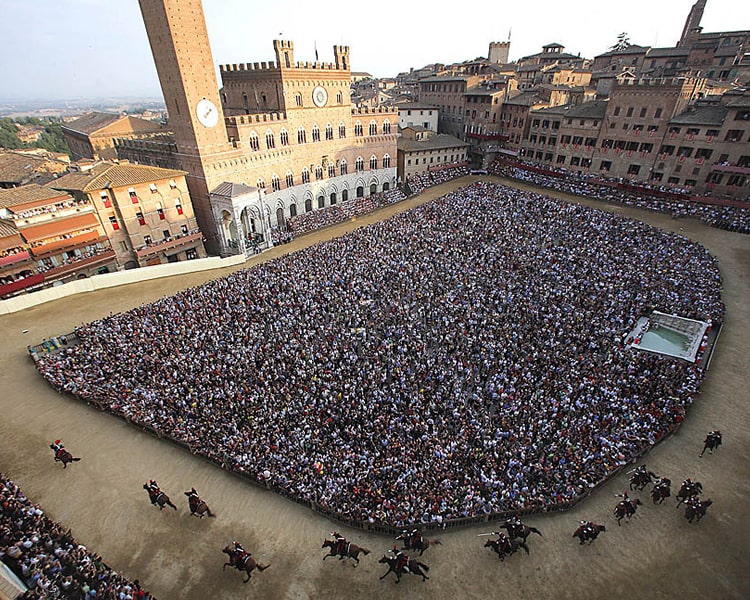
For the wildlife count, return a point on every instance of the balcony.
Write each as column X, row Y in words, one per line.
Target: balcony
column 21, row 284
column 12, row 259
column 731, row 169
column 71, row 243
column 84, row 263
column 165, row 245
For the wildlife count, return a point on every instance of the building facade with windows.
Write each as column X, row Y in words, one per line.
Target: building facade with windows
column 285, row 127
column 421, row 150
column 146, row 212
column 93, row 135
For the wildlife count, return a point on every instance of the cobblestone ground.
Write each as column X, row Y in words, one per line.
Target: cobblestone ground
column 657, row 555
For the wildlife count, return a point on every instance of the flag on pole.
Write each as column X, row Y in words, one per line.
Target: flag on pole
column 316, row 51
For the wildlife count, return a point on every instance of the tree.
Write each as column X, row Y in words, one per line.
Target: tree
column 9, row 135
column 623, row 42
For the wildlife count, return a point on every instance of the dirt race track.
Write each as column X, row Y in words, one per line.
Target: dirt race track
column 657, row 555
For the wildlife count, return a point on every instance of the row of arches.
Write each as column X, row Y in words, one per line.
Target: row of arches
column 254, row 140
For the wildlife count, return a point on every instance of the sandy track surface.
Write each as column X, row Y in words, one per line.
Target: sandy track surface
column 657, row 555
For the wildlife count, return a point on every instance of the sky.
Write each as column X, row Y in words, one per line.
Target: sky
column 71, row 49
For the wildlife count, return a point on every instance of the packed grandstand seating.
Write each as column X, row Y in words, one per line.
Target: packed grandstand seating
column 461, row 359
column 44, row 555
column 419, row 182
column 677, row 203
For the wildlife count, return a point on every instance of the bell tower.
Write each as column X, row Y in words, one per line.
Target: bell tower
column 178, row 37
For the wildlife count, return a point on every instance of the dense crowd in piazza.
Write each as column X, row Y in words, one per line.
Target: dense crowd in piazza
column 459, row 359
column 48, row 560
column 648, row 197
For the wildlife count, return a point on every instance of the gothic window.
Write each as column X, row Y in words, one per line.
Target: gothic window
column 301, row 136
column 316, row 133
column 358, row 129
column 329, row 131
column 254, row 142
column 298, row 99
column 275, row 183
column 284, row 137
column 373, row 129
column 331, row 170
column 342, row 167
column 260, row 184
column 339, row 98
column 360, row 164
column 386, row 161
column 373, row 162
column 305, row 175
column 386, row 126
column 270, row 142
column 342, row 130
column 289, row 179
column 318, row 173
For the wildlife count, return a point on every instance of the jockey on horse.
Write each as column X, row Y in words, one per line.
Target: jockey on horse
column 58, row 447
column 239, row 554
column 402, row 561
column 515, row 525
column 712, row 441
column 341, row 543
column 153, row 490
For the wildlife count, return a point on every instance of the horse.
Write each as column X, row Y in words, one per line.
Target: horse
column 712, row 441
column 696, row 509
column 519, row 530
column 198, row 507
column 414, row 567
column 626, row 508
column 242, row 561
column 158, row 497
column 350, row 550
column 416, row 541
column 661, row 490
column 588, row 531
column 688, row 489
column 641, row 478
column 505, row 546
column 63, row 456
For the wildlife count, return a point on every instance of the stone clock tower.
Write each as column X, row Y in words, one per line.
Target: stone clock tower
column 179, row 42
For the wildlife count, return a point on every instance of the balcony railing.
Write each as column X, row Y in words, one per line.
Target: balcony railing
column 71, row 243
column 88, row 262
column 21, row 284
column 731, row 169
column 12, row 259
column 157, row 247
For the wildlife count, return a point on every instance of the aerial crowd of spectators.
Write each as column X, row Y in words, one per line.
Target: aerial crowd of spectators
column 653, row 198
column 419, row 182
column 48, row 560
column 462, row 358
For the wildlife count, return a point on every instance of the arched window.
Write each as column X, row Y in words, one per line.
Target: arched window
column 360, row 164
column 308, row 204
column 245, row 102
column 293, row 210
column 333, row 198
column 331, row 170
column 260, row 183
column 318, row 172
column 321, row 201
column 253, row 141
column 316, row 133
column 298, row 99
column 343, row 167
column 342, row 130
column 289, row 179
column 339, row 98
column 305, row 175
column 329, row 131
column 386, row 162
column 358, row 129
column 373, row 162
column 373, row 129
column 386, row 126
column 344, row 195
column 270, row 142
column 301, row 135
column 275, row 183
column 284, row 137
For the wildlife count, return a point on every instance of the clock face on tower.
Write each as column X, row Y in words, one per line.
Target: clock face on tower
column 320, row 96
column 207, row 113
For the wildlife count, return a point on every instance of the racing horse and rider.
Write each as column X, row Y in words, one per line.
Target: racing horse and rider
column 626, row 507
column 688, row 489
column 343, row 548
column 156, row 496
column 661, row 490
column 712, row 441
column 414, row 540
column 588, row 531
column 61, row 454
column 241, row 560
column 518, row 530
column 400, row 563
column 504, row 545
column 641, row 477
column 198, row 507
